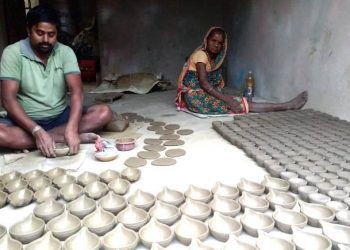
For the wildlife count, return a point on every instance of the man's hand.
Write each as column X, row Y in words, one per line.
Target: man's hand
column 233, row 105
column 44, row 143
column 73, row 141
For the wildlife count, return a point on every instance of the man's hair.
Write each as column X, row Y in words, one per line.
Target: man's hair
column 43, row 13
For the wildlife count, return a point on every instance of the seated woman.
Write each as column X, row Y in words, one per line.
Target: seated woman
column 200, row 83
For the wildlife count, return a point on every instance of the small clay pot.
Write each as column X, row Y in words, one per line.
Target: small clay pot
column 125, row 144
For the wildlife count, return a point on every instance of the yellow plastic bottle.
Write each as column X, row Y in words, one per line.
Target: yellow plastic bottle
column 249, row 86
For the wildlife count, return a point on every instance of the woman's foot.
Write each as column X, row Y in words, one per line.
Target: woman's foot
column 88, row 137
column 299, row 101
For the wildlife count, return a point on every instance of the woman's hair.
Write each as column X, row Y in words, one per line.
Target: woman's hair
column 43, row 13
column 217, row 31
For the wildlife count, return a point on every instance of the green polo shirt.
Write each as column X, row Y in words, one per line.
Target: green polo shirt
column 42, row 89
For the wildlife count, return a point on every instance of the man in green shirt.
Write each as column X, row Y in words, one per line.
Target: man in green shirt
column 35, row 75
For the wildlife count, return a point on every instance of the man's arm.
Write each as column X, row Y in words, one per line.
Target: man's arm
column 43, row 140
column 71, row 134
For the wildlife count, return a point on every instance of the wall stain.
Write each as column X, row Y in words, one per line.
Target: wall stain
column 330, row 53
column 312, row 51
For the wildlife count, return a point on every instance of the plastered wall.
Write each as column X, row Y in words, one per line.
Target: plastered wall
column 152, row 35
column 293, row 45
column 3, row 39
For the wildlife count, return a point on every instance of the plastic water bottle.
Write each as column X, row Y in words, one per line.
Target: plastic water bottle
column 249, row 86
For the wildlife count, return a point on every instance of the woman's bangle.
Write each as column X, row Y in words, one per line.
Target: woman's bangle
column 36, row 129
column 210, row 89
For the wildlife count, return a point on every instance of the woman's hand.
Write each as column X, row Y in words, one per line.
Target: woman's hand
column 233, row 105
column 44, row 143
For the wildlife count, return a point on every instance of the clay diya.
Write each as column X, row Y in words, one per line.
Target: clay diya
column 64, row 225
column 165, row 213
column 253, row 221
column 20, row 198
column 198, row 194
column 48, row 210
column 71, row 191
column 112, row 202
column 156, row 232
column 81, row 206
column 316, row 212
column 120, row 238
column 196, row 209
column 109, row 175
column 119, row 186
column 225, row 191
column 86, row 178
column 141, row 199
column 187, row 228
column 308, row 240
column 99, row 222
column 267, row 242
column 133, row 217
column 27, row 230
column 221, row 226
column 84, row 239
column 6, row 242
column 171, row 196
column 61, row 149
column 286, row 218
column 45, row 242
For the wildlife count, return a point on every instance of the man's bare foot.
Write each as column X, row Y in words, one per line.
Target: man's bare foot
column 88, row 137
column 299, row 101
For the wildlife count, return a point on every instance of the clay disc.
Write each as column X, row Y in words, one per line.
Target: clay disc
column 135, row 162
column 152, row 141
column 158, row 123
column 129, row 114
column 148, row 155
column 154, row 128
column 175, row 152
column 164, row 132
column 184, row 131
column 172, row 126
column 148, row 120
column 156, row 148
column 169, row 137
column 164, row 161
column 174, row 143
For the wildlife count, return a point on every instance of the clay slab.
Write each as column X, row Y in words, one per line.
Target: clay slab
column 174, row 143
column 148, row 155
column 135, row 162
column 164, row 132
column 164, row 161
column 169, row 137
column 172, row 126
column 156, row 148
column 152, row 141
column 184, row 131
column 176, row 152
column 156, row 123
column 154, row 128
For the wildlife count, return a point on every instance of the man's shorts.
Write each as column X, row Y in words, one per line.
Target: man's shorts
column 46, row 123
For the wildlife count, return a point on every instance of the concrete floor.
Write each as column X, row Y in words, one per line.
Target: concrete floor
column 209, row 158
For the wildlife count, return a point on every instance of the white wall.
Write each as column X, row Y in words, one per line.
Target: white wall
column 293, row 45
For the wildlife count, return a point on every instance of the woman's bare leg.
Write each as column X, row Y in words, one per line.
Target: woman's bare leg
column 296, row 103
